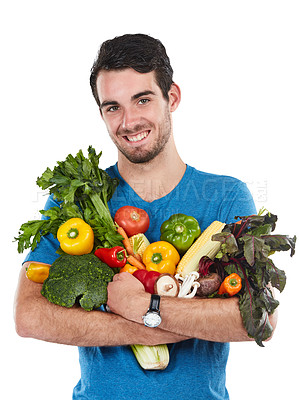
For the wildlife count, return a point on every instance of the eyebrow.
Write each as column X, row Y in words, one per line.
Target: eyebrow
column 134, row 97
column 144, row 93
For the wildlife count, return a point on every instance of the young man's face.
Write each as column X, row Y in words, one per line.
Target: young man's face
column 135, row 112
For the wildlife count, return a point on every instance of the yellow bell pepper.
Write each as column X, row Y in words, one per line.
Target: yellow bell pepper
column 37, row 272
column 76, row 237
column 161, row 256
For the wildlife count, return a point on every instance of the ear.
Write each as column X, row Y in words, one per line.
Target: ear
column 174, row 97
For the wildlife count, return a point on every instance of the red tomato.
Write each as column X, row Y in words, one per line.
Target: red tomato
column 132, row 219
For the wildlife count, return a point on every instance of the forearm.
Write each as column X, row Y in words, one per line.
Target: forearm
column 37, row 318
column 216, row 320
column 78, row 327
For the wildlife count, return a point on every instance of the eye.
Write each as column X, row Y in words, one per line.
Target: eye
column 143, row 101
column 112, row 109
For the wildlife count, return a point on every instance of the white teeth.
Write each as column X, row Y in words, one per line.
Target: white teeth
column 138, row 137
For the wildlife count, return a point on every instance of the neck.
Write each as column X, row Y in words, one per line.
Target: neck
column 154, row 179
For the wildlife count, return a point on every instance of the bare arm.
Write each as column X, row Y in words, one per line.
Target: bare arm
column 208, row 319
column 36, row 317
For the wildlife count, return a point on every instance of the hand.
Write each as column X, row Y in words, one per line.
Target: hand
column 127, row 297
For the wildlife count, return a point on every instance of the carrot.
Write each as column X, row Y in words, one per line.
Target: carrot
column 125, row 241
column 138, row 257
column 136, row 263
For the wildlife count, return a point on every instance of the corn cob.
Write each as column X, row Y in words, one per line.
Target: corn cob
column 203, row 246
column 139, row 243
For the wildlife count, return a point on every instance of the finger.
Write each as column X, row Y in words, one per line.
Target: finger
column 116, row 277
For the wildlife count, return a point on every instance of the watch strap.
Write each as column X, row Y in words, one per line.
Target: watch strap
column 155, row 303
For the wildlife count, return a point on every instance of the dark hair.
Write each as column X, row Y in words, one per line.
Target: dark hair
column 138, row 51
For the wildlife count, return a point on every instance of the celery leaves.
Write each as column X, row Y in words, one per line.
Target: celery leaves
column 82, row 190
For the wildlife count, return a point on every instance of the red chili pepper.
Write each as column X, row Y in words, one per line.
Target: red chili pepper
column 114, row 257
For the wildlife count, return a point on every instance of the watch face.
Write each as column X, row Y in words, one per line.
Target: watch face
column 152, row 319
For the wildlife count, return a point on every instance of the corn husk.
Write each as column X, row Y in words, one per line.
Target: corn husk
column 151, row 357
column 139, row 243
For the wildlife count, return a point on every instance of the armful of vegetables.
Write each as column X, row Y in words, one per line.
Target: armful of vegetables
column 224, row 260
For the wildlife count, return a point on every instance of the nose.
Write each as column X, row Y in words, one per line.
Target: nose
column 129, row 120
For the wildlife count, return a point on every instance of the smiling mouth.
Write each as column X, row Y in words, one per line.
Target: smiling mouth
column 137, row 138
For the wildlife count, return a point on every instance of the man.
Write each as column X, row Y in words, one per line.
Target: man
column 132, row 83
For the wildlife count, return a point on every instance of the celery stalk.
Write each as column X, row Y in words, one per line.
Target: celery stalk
column 151, row 357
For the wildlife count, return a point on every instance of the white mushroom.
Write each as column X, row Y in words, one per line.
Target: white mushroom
column 167, row 285
column 188, row 285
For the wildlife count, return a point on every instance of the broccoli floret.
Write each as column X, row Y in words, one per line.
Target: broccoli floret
column 78, row 278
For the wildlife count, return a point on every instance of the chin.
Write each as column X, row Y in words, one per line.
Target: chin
column 138, row 158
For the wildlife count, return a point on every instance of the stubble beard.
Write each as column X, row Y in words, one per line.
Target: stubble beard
column 139, row 156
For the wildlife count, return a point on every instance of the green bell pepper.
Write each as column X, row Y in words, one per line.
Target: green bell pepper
column 180, row 230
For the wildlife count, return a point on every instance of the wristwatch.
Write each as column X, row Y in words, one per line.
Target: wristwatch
column 152, row 318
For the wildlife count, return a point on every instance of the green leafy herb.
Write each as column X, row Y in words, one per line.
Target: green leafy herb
column 82, row 190
column 245, row 249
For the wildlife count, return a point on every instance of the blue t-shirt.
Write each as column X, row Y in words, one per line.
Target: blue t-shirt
column 197, row 367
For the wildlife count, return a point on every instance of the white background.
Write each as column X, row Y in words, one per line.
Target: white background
column 237, row 65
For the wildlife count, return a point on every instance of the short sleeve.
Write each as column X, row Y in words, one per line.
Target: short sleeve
column 238, row 202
